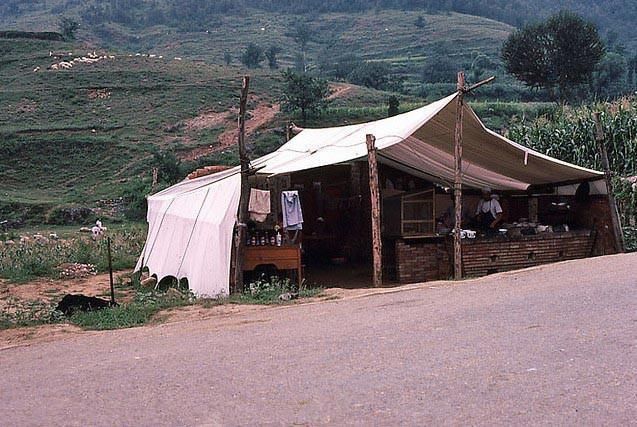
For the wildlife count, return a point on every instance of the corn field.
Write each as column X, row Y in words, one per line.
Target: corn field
column 569, row 134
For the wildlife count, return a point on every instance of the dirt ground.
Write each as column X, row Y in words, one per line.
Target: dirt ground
column 50, row 291
column 258, row 117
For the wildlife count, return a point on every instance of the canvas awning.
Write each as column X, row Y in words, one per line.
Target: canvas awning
column 423, row 140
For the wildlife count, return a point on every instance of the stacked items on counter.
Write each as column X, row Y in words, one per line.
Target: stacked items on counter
column 259, row 208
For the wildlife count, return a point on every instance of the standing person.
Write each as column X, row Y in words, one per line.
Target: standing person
column 488, row 212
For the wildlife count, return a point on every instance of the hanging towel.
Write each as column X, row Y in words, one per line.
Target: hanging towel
column 292, row 213
column 259, row 204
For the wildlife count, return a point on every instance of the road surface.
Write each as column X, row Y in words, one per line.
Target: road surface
column 553, row 345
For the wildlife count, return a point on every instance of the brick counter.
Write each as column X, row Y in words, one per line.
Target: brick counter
column 487, row 256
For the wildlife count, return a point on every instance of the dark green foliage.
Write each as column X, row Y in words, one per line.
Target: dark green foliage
column 227, row 57
column 304, row 92
column 31, row 35
column 68, row 27
column 271, row 55
column 569, row 135
column 376, row 75
column 71, row 215
column 169, row 167
column 441, row 69
column 253, row 56
column 609, row 79
column 135, row 195
column 393, row 105
column 560, row 53
column 420, row 22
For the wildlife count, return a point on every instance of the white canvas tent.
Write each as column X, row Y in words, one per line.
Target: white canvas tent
column 191, row 224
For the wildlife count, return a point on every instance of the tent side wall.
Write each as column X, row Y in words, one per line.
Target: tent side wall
column 190, row 235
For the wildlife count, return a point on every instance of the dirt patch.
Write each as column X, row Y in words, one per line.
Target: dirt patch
column 51, row 290
column 10, row 338
column 258, row 117
column 341, row 90
column 207, row 121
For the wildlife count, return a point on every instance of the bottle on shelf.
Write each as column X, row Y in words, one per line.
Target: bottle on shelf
column 278, row 238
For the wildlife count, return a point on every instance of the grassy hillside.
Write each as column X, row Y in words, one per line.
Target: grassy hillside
column 85, row 134
column 390, row 36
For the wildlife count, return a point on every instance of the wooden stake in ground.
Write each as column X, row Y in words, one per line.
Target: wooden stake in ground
column 110, row 270
column 242, row 216
column 457, row 188
column 375, row 199
column 614, row 212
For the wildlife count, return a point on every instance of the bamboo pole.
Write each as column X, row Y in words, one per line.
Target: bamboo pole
column 245, row 190
column 600, row 137
column 375, row 200
column 457, row 190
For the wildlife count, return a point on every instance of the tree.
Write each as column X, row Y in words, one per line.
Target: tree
column 252, row 56
column 420, row 22
column 559, row 53
column 227, row 57
column 609, row 79
column 376, row 75
column 271, row 55
column 392, row 106
column 68, row 27
column 304, row 92
column 302, row 35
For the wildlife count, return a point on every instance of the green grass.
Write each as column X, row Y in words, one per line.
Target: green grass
column 24, row 262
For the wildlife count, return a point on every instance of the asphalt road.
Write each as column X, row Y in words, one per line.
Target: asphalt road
column 555, row 345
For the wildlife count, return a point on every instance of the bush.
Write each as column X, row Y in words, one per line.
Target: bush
column 71, row 216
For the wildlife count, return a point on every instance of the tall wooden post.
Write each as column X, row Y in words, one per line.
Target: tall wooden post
column 614, row 212
column 375, row 199
column 242, row 215
column 457, row 188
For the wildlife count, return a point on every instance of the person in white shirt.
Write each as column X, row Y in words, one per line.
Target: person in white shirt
column 488, row 212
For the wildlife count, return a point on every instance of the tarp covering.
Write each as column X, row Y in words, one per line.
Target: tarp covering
column 191, row 223
column 423, row 139
column 190, row 232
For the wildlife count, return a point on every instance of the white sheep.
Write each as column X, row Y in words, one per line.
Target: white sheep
column 36, row 69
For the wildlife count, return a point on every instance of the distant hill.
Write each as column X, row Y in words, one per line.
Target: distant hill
column 610, row 15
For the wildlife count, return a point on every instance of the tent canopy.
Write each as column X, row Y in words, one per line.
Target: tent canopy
column 191, row 224
column 423, row 140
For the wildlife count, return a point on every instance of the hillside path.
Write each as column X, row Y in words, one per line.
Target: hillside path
column 553, row 345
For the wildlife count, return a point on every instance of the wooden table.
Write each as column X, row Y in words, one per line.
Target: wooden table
column 282, row 257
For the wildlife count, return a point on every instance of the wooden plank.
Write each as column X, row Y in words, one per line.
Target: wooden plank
column 240, row 240
column 457, row 188
column 375, row 200
column 600, row 137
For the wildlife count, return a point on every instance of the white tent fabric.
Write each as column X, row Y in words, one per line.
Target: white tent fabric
column 423, row 140
column 190, row 232
column 191, row 223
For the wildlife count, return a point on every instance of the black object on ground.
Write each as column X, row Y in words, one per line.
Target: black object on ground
column 71, row 304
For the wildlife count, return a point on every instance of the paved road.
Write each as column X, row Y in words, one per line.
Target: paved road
column 555, row 345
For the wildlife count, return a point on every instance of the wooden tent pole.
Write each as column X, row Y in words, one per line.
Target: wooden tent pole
column 457, row 190
column 375, row 199
column 600, row 137
column 242, row 216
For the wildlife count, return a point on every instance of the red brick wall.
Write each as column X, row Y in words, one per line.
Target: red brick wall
column 482, row 257
column 421, row 260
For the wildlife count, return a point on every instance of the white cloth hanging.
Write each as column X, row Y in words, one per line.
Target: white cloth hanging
column 292, row 212
column 259, row 204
